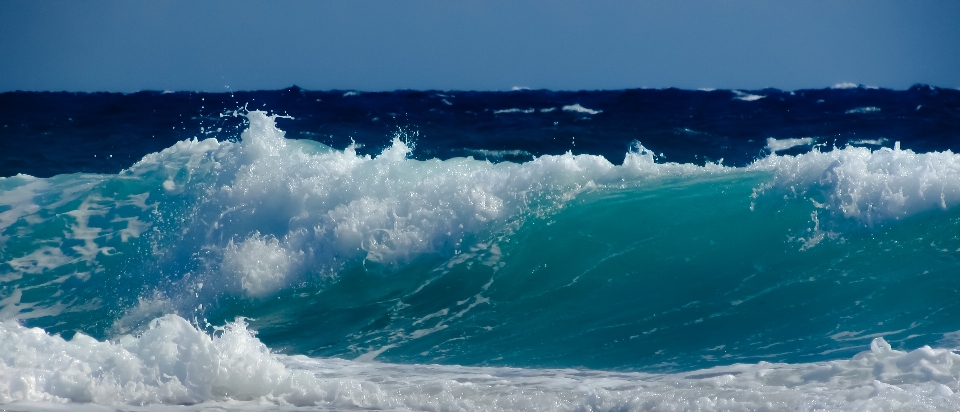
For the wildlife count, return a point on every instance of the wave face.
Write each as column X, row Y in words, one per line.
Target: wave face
column 249, row 268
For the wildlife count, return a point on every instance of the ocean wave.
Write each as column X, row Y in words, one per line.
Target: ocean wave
column 268, row 211
column 254, row 216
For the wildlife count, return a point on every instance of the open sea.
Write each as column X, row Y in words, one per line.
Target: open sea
column 531, row 250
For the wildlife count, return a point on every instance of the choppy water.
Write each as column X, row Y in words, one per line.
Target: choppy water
column 482, row 251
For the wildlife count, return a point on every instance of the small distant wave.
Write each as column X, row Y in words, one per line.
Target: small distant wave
column 869, row 109
column 580, row 109
column 514, row 111
column 869, row 142
column 746, row 96
column 845, row 85
column 499, row 154
column 848, row 85
column 777, row 145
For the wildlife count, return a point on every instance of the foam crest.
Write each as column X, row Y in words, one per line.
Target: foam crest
column 869, row 186
column 174, row 363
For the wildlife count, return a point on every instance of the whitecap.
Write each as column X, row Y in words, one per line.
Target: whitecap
column 747, row 97
column 777, row 145
column 861, row 110
column 577, row 108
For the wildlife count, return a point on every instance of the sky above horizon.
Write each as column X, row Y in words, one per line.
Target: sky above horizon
column 479, row 45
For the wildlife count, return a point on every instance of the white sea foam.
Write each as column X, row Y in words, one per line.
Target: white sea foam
column 869, row 186
column 146, row 310
column 776, row 145
column 173, row 364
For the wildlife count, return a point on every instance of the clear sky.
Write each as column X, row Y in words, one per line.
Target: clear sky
column 478, row 45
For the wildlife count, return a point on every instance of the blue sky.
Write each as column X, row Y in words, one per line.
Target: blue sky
column 477, row 45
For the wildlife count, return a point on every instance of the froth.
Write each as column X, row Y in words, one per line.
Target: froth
column 868, row 186
column 170, row 363
column 174, row 363
column 259, row 263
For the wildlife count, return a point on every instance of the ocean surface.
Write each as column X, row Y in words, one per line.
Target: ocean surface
column 665, row 250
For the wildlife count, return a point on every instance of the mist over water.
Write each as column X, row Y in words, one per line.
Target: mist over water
column 243, row 266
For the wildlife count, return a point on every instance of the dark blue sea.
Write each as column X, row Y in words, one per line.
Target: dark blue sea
column 646, row 249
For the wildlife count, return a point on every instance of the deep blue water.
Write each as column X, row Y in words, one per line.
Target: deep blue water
column 635, row 230
column 687, row 126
